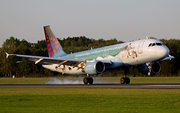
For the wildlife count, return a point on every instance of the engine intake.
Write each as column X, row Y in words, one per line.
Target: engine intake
column 156, row 67
column 150, row 69
column 94, row 67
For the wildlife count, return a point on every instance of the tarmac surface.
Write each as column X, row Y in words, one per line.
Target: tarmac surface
column 117, row 86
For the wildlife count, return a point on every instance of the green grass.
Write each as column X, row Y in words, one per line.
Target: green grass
column 23, row 80
column 134, row 80
column 81, row 100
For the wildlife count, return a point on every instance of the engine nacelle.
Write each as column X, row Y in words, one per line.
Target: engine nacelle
column 93, row 68
column 150, row 69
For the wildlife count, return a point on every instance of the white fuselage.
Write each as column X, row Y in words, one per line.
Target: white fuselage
column 125, row 54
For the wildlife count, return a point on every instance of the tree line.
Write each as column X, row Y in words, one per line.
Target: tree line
column 10, row 66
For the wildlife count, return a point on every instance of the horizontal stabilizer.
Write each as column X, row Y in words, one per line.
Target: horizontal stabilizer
column 22, row 62
column 7, row 55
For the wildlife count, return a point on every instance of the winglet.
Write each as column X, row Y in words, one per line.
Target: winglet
column 7, row 55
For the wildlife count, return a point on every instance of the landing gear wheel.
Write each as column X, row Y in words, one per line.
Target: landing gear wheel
column 122, row 80
column 125, row 80
column 85, row 80
column 88, row 80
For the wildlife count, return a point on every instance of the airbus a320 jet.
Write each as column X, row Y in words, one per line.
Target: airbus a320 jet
column 144, row 53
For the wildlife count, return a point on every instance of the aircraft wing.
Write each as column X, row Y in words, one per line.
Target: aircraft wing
column 49, row 60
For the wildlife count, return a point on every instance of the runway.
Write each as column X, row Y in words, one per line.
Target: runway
column 117, row 86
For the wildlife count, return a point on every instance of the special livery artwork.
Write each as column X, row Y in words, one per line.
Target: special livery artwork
column 129, row 52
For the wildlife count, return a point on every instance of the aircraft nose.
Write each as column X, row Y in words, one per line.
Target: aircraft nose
column 162, row 52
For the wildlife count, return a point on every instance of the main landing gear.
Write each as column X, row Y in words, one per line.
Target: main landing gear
column 125, row 80
column 88, row 80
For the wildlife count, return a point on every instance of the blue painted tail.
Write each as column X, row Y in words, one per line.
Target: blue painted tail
column 54, row 48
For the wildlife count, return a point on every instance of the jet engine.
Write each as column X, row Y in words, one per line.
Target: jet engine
column 95, row 67
column 150, row 68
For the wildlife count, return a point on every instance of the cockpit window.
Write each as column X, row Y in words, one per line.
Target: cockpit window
column 150, row 45
column 158, row 44
column 155, row 44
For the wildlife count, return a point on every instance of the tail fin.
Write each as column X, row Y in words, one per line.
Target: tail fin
column 53, row 46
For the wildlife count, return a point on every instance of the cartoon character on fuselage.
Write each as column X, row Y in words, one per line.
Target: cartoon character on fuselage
column 145, row 53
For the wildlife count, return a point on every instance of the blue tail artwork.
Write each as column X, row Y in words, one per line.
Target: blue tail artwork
column 53, row 46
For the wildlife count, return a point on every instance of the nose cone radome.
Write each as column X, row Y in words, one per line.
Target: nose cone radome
column 162, row 52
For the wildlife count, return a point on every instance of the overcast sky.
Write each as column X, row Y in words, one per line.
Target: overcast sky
column 124, row 20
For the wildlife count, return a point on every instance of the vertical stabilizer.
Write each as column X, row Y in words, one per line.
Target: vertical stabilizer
column 53, row 46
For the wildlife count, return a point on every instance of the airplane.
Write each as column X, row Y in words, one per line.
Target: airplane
column 143, row 53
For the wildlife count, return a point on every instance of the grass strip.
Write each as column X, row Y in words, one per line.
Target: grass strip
column 80, row 100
